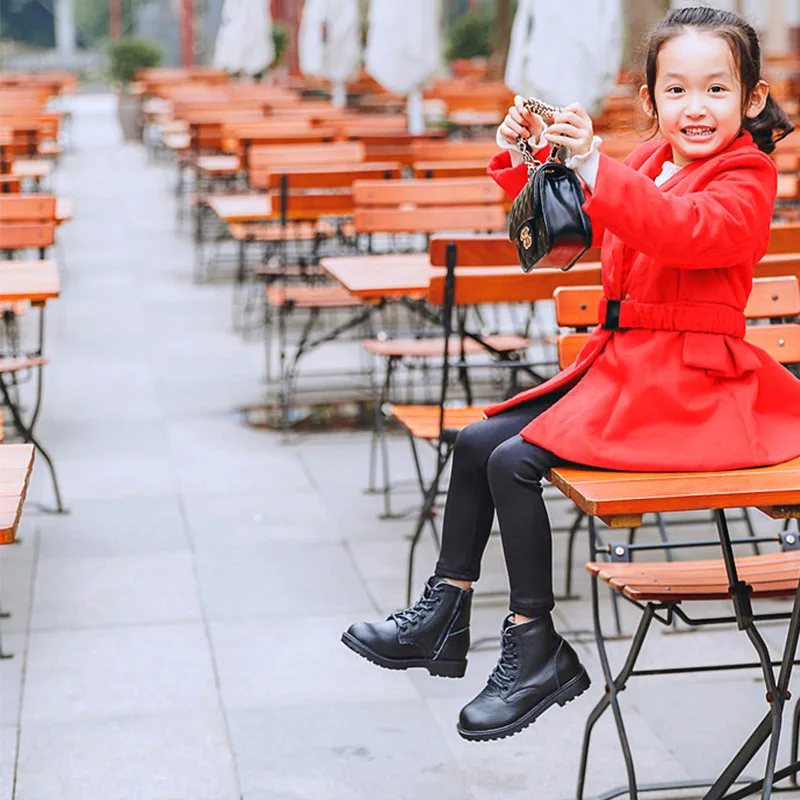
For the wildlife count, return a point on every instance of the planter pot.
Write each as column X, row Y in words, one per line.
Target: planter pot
column 129, row 113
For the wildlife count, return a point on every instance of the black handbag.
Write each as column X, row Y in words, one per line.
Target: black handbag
column 547, row 221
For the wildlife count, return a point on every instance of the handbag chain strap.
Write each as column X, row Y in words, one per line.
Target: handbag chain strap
column 556, row 151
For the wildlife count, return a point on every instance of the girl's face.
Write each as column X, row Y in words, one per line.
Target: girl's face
column 698, row 94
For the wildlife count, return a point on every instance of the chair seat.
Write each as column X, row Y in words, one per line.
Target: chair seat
column 431, row 347
column 774, row 575
column 288, row 271
column 17, row 363
column 422, row 422
column 311, row 297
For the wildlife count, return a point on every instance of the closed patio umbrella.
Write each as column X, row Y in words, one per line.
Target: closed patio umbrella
column 329, row 42
column 244, row 40
column 572, row 52
column 403, row 50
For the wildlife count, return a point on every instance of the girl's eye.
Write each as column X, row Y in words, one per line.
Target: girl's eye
column 717, row 89
column 674, row 90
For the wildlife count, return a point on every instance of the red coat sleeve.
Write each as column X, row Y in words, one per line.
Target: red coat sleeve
column 717, row 227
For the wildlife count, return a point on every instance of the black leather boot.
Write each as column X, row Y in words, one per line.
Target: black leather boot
column 537, row 668
column 433, row 633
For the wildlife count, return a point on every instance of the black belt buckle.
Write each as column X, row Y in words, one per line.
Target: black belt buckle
column 611, row 322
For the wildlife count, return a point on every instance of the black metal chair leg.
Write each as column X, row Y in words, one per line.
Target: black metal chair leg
column 26, row 432
column 751, row 531
column 611, row 687
column 795, row 742
column 573, row 532
column 425, row 515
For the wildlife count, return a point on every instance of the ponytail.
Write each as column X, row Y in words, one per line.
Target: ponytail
column 769, row 127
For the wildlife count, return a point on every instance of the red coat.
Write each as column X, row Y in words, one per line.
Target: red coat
column 681, row 256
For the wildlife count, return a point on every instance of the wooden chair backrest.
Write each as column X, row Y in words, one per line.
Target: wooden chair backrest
column 449, row 169
column 459, row 191
column 429, row 219
column 265, row 157
column 487, row 250
column 771, row 298
column 454, row 151
column 27, row 208
column 428, row 206
column 18, row 236
column 321, row 176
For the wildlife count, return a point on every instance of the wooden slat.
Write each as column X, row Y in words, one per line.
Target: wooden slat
column 484, row 250
column 456, row 191
column 434, row 346
column 36, row 281
column 428, row 220
column 422, row 422
column 611, row 493
column 16, row 463
column 322, row 176
column 782, row 342
column 482, row 286
column 449, row 169
column 311, row 297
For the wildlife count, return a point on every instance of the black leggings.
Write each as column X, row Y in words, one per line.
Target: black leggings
column 495, row 469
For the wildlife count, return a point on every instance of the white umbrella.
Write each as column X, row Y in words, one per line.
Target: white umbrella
column 403, row 50
column 244, row 40
column 329, row 42
column 518, row 50
column 573, row 51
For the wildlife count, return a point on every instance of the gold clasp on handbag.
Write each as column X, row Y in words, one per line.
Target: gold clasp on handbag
column 557, row 151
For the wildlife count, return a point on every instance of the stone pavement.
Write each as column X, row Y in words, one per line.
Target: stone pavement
column 176, row 636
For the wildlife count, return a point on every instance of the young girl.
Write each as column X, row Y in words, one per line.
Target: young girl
column 667, row 383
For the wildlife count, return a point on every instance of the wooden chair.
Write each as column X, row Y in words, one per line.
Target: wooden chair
column 438, row 425
column 27, row 221
column 664, row 592
column 21, row 228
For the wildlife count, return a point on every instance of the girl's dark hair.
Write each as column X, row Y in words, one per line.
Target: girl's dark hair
column 772, row 124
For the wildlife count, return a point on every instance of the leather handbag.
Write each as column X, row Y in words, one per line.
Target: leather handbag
column 547, row 221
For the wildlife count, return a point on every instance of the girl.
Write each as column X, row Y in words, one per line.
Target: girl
column 667, row 383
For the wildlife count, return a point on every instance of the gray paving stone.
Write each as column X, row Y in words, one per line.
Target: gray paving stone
column 119, row 527
column 276, row 578
column 8, row 758
column 101, row 478
column 100, row 592
column 103, row 438
column 298, row 660
column 168, row 757
column 252, row 517
column 108, row 673
column 351, row 751
column 11, row 670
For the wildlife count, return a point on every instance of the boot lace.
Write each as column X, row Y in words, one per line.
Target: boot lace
column 416, row 613
column 506, row 668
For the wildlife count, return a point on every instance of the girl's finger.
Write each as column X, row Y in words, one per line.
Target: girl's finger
column 565, row 129
column 516, row 116
column 572, row 118
column 516, row 129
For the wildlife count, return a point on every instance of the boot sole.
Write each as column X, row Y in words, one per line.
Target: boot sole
column 439, row 669
column 568, row 692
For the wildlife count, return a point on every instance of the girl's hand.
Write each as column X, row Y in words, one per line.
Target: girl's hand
column 521, row 122
column 573, row 129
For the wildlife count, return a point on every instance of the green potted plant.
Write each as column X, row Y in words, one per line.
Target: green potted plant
column 128, row 54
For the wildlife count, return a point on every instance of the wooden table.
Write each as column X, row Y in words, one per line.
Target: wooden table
column 35, row 281
column 35, row 168
column 241, row 208
column 214, row 166
column 16, row 463
column 392, row 276
column 65, row 209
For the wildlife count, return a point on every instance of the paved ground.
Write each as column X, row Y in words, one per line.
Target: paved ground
column 176, row 636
